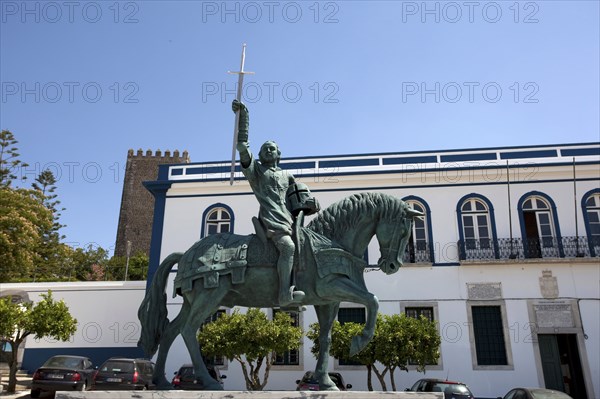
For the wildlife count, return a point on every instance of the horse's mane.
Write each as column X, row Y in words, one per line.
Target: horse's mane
column 334, row 221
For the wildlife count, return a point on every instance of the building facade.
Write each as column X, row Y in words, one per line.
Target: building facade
column 505, row 261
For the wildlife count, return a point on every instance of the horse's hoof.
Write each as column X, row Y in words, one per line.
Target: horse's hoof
column 357, row 345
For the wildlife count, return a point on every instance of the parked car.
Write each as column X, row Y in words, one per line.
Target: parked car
column 118, row 373
column 63, row 373
column 309, row 383
column 535, row 393
column 451, row 389
column 185, row 377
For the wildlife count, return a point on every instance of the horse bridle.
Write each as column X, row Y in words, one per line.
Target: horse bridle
column 396, row 238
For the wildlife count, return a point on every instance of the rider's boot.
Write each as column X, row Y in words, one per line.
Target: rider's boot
column 287, row 293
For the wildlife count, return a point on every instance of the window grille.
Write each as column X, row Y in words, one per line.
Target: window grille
column 489, row 335
column 354, row 315
column 292, row 357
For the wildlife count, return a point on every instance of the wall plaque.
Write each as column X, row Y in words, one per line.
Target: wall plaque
column 554, row 314
column 481, row 291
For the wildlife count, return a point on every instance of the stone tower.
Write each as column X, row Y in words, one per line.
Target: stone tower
column 137, row 204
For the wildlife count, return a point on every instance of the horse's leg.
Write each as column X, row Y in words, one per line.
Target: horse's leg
column 326, row 315
column 344, row 289
column 166, row 340
column 202, row 307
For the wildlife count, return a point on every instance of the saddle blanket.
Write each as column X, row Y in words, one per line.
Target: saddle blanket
column 210, row 258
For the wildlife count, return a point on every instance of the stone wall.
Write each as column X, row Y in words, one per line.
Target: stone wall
column 137, row 204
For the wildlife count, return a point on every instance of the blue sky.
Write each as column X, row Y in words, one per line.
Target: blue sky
column 84, row 81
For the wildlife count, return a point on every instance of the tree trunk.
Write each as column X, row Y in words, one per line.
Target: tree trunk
column 369, row 378
column 12, row 365
column 245, row 372
column 381, row 377
column 268, row 364
column 392, row 379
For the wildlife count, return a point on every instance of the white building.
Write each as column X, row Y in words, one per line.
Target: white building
column 507, row 265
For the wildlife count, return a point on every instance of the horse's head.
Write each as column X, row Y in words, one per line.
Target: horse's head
column 393, row 235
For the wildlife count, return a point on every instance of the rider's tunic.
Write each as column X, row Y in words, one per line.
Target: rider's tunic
column 270, row 185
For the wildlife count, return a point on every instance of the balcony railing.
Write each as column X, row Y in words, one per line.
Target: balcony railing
column 417, row 254
column 530, row 248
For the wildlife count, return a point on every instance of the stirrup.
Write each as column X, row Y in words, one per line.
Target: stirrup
column 295, row 298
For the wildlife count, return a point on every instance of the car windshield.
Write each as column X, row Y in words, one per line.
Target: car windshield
column 456, row 389
column 309, row 378
column 118, row 367
column 63, row 361
column 548, row 394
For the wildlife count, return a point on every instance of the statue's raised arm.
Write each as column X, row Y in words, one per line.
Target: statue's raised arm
column 243, row 146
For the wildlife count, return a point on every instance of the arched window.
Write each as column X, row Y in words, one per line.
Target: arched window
column 539, row 226
column 419, row 249
column 591, row 216
column 477, row 229
column 476, row 224
column 216, row 219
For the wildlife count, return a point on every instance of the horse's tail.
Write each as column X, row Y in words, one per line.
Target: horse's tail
column 153, row 310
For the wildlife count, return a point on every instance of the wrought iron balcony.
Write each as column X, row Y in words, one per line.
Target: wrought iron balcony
column 419, row 253
column 530, row 248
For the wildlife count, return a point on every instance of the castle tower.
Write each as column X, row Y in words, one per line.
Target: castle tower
column 137, row 204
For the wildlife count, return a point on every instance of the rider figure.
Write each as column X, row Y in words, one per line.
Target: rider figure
column 270, row 185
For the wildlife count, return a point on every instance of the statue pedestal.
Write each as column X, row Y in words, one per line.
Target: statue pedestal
column 247, row 395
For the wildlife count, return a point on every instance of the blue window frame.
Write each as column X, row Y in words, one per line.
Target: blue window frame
column 420, row 247
column 590, row 204
column 217, row 218
column 476, row 228
column 540, row 231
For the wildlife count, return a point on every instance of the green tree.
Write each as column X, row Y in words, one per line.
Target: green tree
column 53, row 253
column 23, row 219
column 137, row 269
column 89, row 263
column 46, row 183
column 9, row 158
column 398, row 341
column 47, row 318
column 252, row 340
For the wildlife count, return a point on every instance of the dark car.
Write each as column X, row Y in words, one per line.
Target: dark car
column 185, row 377
column 451, row 389
column 118, row 373
column 62, row 373
column 309, row 383
column 535, row 393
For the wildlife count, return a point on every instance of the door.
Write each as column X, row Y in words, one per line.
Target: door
column 550, row 356
column 532, row 247
column 570, row 363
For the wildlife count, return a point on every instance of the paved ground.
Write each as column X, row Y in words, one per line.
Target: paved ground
column 23, row 386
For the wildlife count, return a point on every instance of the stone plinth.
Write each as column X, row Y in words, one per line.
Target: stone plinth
column 247, row 395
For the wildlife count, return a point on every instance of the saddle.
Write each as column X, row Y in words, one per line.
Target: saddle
column 223, row 254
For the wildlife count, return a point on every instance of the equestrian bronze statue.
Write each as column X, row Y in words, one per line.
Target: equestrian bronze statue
column 283, row 265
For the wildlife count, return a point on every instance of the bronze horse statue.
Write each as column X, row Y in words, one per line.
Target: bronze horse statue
column 231, row 270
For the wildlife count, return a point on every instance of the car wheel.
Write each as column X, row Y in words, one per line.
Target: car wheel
column 35, row 393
